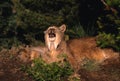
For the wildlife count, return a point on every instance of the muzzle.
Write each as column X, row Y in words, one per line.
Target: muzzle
column 52, row 33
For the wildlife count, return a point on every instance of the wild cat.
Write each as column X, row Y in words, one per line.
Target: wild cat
column 76, row 50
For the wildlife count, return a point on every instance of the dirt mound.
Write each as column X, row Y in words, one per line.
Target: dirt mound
column 110, row 71
column 10, row 69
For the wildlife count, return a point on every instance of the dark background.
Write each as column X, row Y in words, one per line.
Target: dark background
column 23, row 21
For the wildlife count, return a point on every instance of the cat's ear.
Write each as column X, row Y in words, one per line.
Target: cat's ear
column 63, row 28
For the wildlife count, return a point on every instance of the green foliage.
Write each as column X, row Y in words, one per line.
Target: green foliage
column 78, row 31
column 7, row 26
column 25, row 20
column 109, row 27
column 113, row 2
column 109, row 41
column 106, row 40
column 8, row 42
column 57, row 11
column 42, row 71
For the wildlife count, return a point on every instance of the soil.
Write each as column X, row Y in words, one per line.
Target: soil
column 110, row 71
column 10, row 69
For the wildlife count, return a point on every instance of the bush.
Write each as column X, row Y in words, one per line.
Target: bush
column 109, row 32
column 108, row 41
column 49, row 72
column 109, row 26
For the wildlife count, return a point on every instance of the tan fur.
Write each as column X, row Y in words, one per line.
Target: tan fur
column 58, row 45
column 53, row 42
column 77, row 50
column 30, row 53
column 85, row 48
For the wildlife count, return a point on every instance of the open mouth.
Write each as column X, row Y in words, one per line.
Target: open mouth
column 52, row 36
